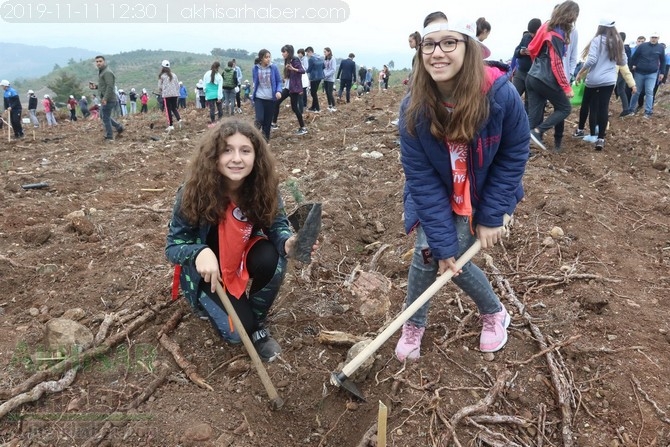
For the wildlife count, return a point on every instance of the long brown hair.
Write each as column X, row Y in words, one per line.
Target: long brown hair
column 564, row 16
column 612, row 40
column 165, row 70
column 471, row 107
column 206, row 196
column 214, row 70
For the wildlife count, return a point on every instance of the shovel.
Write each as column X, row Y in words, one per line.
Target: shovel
column 341, row 379
column 275, row 401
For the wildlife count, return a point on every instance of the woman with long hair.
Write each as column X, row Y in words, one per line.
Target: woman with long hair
column 293, row 71
column 546, row 79
column 168, row 89
column 464, row 146
column 329, row 70
column 229, row 226
column 267, row 91
column 213, row 87
column 603, row 55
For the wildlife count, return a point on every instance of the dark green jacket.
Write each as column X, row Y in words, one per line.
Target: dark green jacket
column 106, row 82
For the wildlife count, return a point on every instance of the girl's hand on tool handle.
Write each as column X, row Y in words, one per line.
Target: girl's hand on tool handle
column 208, row 266
column 448, row 264
column 489, row 236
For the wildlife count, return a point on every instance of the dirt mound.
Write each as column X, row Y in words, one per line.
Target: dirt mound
column 589, row 345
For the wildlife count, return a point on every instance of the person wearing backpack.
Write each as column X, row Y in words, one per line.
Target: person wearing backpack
column 547, row 79
column 230, row 81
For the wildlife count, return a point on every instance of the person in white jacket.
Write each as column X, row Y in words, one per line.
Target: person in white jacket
column 213, row 84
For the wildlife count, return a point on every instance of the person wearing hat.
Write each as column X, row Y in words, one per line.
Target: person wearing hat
column 144, row 100
column 647, row 65
column 199, row 95
column 12, row 104
column 32, row 108
column 123, row 102
column 72, row 107
column 49, row 110
column 183, row 94
column 168, row 89
column 132, row 96
column 83, row 106
column 108, row 98
column 602, row 57
column 464, row 146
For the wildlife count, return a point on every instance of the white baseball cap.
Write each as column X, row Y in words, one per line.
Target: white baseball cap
column 607, row 22
column 4, row 83
column 469, row 29
column 165, row 63
column 30, row 92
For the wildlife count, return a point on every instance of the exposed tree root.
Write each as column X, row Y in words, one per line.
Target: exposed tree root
column 91, row 353
column 558, row 379
column 51, row 386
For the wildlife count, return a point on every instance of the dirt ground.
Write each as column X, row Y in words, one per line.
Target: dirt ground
column 589, row 347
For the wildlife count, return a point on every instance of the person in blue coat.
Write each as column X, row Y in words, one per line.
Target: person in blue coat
column 464, row 146
column 12, row 102
column 267, row 90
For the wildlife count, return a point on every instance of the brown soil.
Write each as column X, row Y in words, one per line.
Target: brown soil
column 597, row 294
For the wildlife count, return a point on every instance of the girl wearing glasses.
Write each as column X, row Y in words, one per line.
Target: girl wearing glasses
column 464, row 155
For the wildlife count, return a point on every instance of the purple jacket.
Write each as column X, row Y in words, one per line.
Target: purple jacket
column 295, row 77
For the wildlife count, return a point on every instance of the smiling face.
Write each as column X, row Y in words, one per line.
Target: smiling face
column 236, row 161
column 444, row 67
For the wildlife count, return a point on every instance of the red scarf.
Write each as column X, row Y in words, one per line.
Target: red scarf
column 235, row 241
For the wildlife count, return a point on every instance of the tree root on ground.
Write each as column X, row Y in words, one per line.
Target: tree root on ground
column 51, row 386
column 559, row 380
column 91, row 353
column 173, row 348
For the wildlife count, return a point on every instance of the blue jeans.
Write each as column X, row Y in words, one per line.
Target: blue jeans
column 472, row 280
column 106, row 115
column 265, row 109
column 645, row 82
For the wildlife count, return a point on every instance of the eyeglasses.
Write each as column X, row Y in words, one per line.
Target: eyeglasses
column 446, row 45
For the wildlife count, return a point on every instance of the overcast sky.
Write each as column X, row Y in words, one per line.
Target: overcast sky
column 376, row 31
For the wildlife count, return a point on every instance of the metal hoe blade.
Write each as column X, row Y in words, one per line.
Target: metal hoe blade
column 340, row 380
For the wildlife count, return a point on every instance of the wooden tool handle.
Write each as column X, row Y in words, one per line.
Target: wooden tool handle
column 276, row 401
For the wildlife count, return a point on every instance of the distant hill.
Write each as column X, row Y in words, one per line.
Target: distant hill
column 29, row 61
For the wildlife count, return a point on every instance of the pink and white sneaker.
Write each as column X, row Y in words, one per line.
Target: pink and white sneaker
column 409, row 345
column 494, row 331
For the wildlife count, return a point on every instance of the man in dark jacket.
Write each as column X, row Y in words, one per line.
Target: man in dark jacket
column 108, row 98
column 647, row 64
column 347, row 75
column 12, row 103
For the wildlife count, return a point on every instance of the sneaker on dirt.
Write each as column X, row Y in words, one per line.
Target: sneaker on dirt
column 267, row 347
column 409, row 345
column 494, row 331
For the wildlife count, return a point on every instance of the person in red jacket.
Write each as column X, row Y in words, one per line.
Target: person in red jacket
column 72, row 107
column 546, row 80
